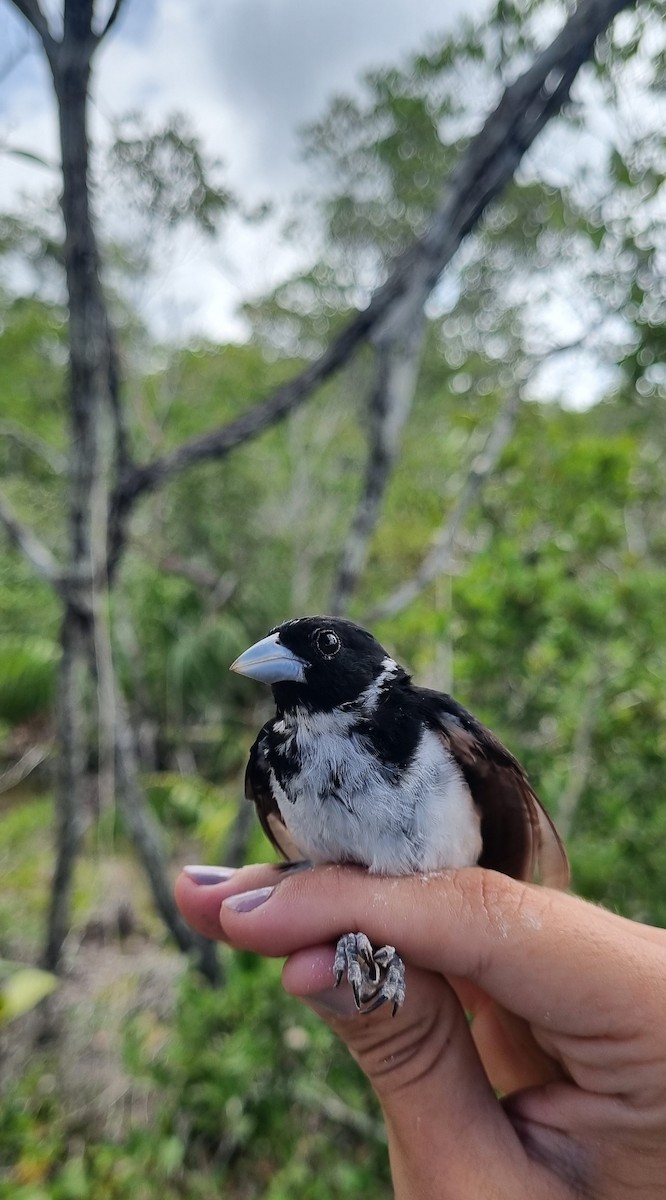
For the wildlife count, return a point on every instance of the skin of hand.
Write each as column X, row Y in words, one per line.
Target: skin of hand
column 568, row 1003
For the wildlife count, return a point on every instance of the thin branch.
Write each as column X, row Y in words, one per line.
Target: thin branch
column 582, row 755
column 111, row 19
column 397, row 366
column 56, row 461
column 203, row 577
column 441, row 555
column 487, row 165
column 33, row 14
column 123, row 454
column 235, row 846
column 145, row 834
column 24, row 767
column 217, row 589
column 218, row 443
column 37, row 554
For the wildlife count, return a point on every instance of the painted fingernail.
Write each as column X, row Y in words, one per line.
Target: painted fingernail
column 246, row 901
column 337, row 1001
column 206, row 876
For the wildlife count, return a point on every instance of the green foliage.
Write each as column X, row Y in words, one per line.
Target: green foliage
column 27, row 677
column 166, row 173
column 247, row 1092
column 190, row 803
column 25, row 870
column 550, row 623
column 557, row 624
column 247, row 1078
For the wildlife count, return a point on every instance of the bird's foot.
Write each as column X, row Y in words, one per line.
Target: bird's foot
column 375, row 976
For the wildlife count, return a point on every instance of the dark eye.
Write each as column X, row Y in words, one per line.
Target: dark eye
column 327, row 642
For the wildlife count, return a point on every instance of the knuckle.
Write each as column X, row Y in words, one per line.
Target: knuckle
column 497, row 898
column 496, row 908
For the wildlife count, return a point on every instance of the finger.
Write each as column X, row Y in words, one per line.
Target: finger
column 551, row 958
column 200, row 902
column 511, row 1056
column 427, row 1075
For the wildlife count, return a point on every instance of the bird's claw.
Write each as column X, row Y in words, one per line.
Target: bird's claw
column 374, row 976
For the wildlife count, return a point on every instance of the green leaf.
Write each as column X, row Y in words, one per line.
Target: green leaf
column 22, row 988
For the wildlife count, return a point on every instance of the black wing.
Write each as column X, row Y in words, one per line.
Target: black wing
column 518, row 836
column 258, row 788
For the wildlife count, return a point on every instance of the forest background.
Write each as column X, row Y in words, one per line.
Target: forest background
column 449, row 425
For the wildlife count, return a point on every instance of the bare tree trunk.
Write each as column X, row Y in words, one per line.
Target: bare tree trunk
column 398, row 360
column 98, row 445
column 146, row 838
column 71, row 775
column 90, row 351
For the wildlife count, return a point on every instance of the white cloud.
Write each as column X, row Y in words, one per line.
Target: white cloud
column 248, row 73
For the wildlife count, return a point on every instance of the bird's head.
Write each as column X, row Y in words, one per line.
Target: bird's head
column 320, row 663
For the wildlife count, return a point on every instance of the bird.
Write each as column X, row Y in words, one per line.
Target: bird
column 360, row 765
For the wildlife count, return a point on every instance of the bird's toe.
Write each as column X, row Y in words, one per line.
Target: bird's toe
column 375, row 976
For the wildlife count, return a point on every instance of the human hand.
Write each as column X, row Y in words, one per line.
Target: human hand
column 568, row 1002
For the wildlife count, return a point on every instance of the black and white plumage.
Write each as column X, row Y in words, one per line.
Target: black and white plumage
column 361, row 766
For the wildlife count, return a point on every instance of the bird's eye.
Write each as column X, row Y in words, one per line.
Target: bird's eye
column 327, row 642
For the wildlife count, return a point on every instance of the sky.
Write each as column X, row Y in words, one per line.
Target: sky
column 249, row 74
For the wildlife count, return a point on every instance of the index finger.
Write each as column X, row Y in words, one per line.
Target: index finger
column 549, row 957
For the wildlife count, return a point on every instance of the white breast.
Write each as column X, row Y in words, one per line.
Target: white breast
column 342, row 806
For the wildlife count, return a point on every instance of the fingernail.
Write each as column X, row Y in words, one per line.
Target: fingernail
column 338, row 1001
column 246, row 901
column 206, row 876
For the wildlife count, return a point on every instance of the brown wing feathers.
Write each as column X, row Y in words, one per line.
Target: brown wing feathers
column 518, row 836
column 258, row 789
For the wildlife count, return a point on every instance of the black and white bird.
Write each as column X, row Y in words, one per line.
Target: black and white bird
column 361, row 766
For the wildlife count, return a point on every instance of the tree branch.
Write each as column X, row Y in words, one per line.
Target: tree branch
column 487, row 165
column 33, row 14
column 582, row 754
column 56, row 461
column 77, row 24
column 24, row 767
column 441, row 554
column 37, row 554
column 144, row 832
column 398, row 358
column 217, row 588
column 111, row 20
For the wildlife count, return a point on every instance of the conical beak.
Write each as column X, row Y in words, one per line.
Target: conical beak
column 270, row 662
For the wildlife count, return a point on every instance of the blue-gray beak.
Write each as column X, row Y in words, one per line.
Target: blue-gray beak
column 270, row 662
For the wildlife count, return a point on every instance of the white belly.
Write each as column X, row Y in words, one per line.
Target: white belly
column 342, row 806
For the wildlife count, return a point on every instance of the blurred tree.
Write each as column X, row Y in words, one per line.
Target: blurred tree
column 104, row 479
column 564, row 250
column 519, row 560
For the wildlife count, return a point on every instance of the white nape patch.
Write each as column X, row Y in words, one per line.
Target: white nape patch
column 342, row 805
column 370, row 698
